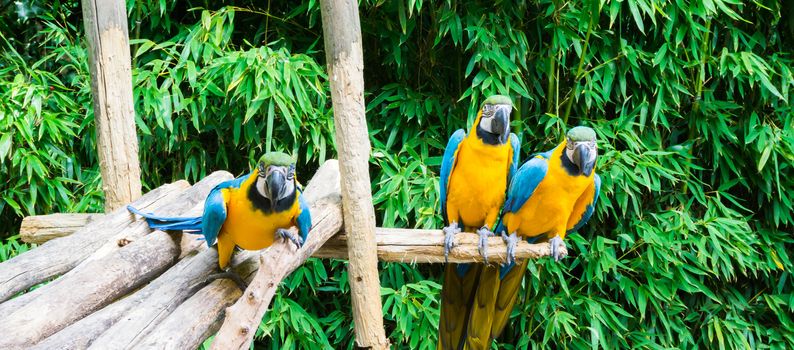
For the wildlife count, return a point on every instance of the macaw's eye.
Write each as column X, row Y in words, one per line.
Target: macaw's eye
column 569, row 144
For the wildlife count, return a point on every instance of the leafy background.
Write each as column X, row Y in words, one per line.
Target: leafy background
column 692, row 102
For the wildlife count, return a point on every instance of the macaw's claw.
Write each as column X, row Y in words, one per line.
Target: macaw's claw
column 511, row 240
column 449, row 238
column 289, row 235
column 228, row 273
column 556, row 251
column 484, row 233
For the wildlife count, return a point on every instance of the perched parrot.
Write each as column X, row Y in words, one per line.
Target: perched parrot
column 475, row 171
column 250, row 211
column 552, row 194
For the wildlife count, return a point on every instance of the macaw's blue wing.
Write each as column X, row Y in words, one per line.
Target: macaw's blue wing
column 447, row 165
column 524, row 182
column 214, row 215
column 304, row 220
column 590, row 206
column 515, row 146
column 165, row 223
column 215, row 209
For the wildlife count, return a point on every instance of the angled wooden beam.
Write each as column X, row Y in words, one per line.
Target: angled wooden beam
column 105, row 23
column 345, row 59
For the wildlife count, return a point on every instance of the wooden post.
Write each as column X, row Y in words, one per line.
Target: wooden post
column 343, row 52
column 111, row 86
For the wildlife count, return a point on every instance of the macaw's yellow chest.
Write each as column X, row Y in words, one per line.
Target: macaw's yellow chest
column 478, row 183
column 251, row 228
column 549, row 209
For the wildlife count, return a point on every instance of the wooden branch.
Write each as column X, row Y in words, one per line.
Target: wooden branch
column 133, row 317
column 98, row 242
column 190, row 202
column 105, row 24
column 344, row 55
column 137, row 311
column 38, row 229
column 61, row 255
column 205, row 312
column 427, row 246
column 99, row 283
column 281, row 259
column 205, row 309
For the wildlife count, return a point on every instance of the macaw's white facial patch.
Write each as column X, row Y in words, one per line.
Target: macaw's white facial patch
column 488, row 120
column 261, row 187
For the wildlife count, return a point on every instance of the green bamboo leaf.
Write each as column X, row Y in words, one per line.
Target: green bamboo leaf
column 635, row 12
column 765, row 156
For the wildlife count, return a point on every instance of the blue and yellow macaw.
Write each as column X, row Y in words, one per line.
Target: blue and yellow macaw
column 552, row 194
column 475, row 171
column 250, row 211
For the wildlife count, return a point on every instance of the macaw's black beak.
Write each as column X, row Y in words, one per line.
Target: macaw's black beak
column 501, row 123
column 583, row 159
column 275, row 187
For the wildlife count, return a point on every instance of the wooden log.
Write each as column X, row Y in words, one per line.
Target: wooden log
column 100, row 241
column 61, row 255
column 205, row 312
column 242, row 318
column 344, row 55
column 427, row 246
column 166, row 291
column 38, row 229
column 205, row 309
column 186, row 204
column 178, row 283
column 400, row 245
column 105, row 24
column 96, row 285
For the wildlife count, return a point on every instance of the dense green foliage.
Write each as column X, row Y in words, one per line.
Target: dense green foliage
column 692, row 101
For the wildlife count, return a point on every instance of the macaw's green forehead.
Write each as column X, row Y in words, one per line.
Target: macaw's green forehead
column 276, row 158
column 498, row 100
column 581, row 133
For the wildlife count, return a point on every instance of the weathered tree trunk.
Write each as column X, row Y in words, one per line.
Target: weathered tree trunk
column 117, row 325
column 281, row 259
column 105, row 25
column 95, row 286
column 344, row 55
column 205, row 309
column 427, row 246
column 42, row 228
column 61, row 255
column 81, row 248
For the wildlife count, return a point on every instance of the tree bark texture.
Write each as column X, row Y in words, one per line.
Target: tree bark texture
column 105, row 25
column 344, row 55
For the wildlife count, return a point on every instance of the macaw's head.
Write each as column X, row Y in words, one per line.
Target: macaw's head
column 275, row 177
column 493, row 125
column 580, row 149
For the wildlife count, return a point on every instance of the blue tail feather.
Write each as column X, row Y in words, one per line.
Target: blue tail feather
column 191, row 224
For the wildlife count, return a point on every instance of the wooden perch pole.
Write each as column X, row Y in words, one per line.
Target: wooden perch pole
column 98, row 284
column 42, row 228
column 427, row 246
column 99, row 239
column 111, row 86
column 242, row 318
column 344, row 56
column 61, row 255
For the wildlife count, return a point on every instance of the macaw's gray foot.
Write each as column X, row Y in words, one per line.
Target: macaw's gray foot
column 484, row 233
column 228, row 273
column 557, row 246
column 289, row 235
column 449, row 238
column 511, row 240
